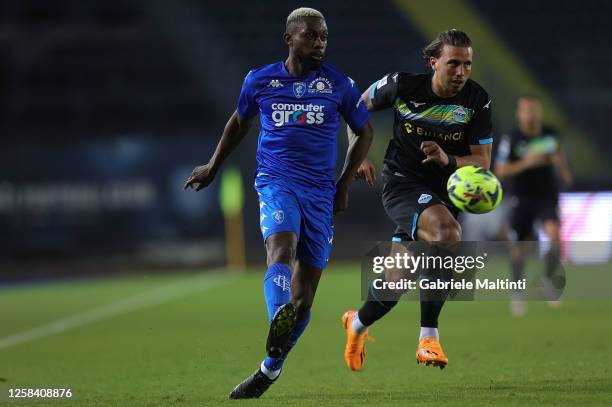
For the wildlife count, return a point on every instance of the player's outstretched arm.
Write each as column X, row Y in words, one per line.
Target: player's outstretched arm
column 559, row 160
column 235, row 130
column 507, row 169
column 480, row 155
column 356, row 153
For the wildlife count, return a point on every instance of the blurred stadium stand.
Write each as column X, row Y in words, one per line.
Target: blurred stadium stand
column 128, row 96
column 563, row 43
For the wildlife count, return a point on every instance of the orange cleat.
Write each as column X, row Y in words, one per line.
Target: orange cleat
column 430, row 352
column 354, row 351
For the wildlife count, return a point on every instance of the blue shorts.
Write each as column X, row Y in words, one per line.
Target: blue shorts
column 286, row 207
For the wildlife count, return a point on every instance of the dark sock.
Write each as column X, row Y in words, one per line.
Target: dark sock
column 518, row 264
column 552, row 261
column 430, row 311
column 432, row 301
column 374, row 309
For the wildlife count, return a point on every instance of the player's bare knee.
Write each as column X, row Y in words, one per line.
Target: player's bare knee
column 281, row 254
column 447, row 230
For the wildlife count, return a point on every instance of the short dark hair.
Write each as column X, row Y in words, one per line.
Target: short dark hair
column 453, row 37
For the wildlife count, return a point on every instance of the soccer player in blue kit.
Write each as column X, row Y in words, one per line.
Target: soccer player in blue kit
column 299, row 101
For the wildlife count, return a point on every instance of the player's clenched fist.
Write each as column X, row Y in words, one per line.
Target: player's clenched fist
column 200, row 177
column 434, row 154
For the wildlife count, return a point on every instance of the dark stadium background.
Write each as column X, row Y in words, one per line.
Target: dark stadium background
column 115, row 283
column 106, row 106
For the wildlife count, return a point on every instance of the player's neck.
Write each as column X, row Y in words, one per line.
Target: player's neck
column 531, row 130
column 295, row 67
column 438, row 89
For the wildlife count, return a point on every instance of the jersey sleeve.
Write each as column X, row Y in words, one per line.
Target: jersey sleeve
column 479, row 131
column 353, row 109
column 384, row 91
column 247, row 105
column 504, row 149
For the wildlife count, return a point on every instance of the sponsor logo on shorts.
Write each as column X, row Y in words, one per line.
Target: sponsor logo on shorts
column 424, row 198
column 278, row 216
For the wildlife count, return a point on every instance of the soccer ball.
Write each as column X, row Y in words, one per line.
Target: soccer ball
column 475, row 190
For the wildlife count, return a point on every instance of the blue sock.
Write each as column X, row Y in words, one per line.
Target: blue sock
column 275, row 364
column 277, row 287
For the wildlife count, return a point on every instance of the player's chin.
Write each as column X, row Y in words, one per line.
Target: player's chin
column 316, row 60
column 457, row 85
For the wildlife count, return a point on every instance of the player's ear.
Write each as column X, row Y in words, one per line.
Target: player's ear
column 288, row 39
column 432, row 63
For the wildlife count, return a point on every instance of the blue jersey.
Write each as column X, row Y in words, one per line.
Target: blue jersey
column 299, row 120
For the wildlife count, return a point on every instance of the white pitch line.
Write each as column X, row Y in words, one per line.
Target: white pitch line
column 201, row 282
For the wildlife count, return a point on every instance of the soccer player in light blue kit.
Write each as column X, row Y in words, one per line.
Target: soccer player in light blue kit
column 299, row 101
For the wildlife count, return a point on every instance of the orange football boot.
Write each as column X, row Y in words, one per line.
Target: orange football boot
column 354, row 351
column 430, row 352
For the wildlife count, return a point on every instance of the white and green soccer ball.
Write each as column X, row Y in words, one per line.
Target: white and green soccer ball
column 474, row 189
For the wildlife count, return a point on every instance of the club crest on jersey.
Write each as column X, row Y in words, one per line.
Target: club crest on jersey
column 459, row 114
column 299, row 88
column 278, row 216
column 424, row 198
column 320, row 85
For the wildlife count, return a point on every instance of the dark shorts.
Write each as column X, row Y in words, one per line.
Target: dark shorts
column 526, row 211
column 404, row 199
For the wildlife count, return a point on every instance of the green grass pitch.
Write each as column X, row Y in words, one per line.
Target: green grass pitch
column 178, row 339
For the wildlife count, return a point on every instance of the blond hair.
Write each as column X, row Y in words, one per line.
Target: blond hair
column 300, row 13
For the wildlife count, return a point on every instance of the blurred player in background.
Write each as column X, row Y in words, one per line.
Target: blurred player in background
column 299, row 102
column 442, row 122
column 533, row 159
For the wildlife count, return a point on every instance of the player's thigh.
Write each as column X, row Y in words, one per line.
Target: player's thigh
column 418, row 211
column 317, row 230
column 552, row 229
column 522, row 218
column 549, row 215
column 438, row 224
column 279, row 220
